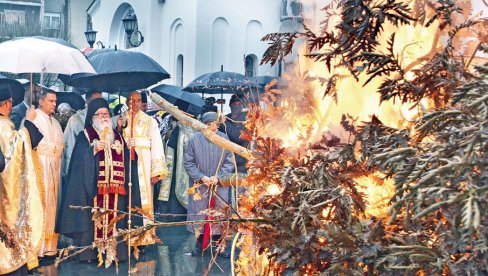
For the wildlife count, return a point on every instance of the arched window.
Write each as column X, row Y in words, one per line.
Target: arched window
column 250, row 65
column 179, row 70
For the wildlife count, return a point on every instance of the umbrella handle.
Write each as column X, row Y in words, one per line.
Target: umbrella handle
column 30, row 90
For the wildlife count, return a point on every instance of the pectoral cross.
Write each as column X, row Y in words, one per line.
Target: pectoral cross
column 105, row 132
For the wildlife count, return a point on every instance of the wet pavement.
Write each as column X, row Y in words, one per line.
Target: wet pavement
column 170, row 258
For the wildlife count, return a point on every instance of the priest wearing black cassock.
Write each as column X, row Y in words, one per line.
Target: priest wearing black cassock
column 98, row 175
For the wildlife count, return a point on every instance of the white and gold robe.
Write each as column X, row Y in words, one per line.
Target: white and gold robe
column 50, row 151
column 75, row 125
column 150, row 163
column 21, row 194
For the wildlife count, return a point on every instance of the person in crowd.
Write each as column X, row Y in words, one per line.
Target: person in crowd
column 144, row 104
column 173, row 195
column 76, row 124
column 50, row 151
column 205, row 163
column 142, row 133
column 233, row 126
column 118, row 109
column 19, row 111
column 21, row 202
column 98, row 176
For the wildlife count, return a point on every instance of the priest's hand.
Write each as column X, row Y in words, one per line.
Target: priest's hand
column 154, row 180
column 31, row 114
column 121, row 122
column 206, row 180
column 131, row 143
column 214, row 180
column 99, row 146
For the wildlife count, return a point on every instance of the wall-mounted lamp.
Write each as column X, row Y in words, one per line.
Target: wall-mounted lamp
column 130, row 26
column 91, row 37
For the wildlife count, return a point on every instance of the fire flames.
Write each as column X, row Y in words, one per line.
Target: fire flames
column 304, row 114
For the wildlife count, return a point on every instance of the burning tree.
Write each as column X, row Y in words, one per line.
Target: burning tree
column 410, row 58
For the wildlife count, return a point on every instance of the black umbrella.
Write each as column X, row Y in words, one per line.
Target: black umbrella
column 221, row 82
column 171, row 93
column 75, row 100
column 185, row 101
column 262, row 81
column 99, row 51
column 66, row 78
column 15, row 87
column 120, row 71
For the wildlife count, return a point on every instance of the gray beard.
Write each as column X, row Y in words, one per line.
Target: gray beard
column 100, row 126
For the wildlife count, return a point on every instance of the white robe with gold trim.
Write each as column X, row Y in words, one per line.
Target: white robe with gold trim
column 50, row 151
column 151, row 162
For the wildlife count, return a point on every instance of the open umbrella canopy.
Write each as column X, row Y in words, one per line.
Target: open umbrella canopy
column 185, row 101
column 41, row 55
column 74, row 99
column 171, row 93
column 118, row 71
column 262, row 81
column 98, row 51
column 15, row 87
column 53, row 39
column 221, row 82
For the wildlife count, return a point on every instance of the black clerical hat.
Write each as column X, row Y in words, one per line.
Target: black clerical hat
column 5, row 92
column 93, row 106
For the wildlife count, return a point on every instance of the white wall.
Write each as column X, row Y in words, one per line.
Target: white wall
column 193, row 29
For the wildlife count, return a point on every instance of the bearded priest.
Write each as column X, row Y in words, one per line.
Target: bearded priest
column 98, row 176
column 21, row 191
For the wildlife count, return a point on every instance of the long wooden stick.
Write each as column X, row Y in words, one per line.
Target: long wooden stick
column 201, row 127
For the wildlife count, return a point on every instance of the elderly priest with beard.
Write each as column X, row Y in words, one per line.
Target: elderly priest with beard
column 98, row 176
column 21, row 190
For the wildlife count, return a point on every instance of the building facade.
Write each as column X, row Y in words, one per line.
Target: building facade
column 190, row 38
column 32, row 17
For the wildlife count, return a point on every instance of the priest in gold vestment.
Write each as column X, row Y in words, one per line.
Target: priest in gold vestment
column 142, row 134
column 21, row 191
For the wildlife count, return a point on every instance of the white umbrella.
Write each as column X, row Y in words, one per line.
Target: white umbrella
column 37, row 55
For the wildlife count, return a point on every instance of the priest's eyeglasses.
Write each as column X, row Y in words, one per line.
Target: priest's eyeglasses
column 102, row 115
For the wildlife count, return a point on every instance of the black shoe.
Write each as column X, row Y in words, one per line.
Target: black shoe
column 47, row 260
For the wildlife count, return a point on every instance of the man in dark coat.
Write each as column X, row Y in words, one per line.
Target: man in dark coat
column 98, row 175
column 19, row 111
column 233, row 126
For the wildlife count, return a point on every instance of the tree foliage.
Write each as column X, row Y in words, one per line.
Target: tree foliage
column 437, row 223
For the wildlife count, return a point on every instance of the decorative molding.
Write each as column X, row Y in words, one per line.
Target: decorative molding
column 92, row 9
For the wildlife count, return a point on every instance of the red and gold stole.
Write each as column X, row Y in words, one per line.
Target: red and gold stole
column 111, row 173
column 111, row 181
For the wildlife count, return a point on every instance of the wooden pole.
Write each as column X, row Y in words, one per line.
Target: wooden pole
column 201, row 127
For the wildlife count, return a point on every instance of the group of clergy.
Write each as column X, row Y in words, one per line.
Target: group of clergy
column 49, row 176
column 95, row 160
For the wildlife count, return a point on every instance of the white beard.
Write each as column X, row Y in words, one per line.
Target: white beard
column 100, row 126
